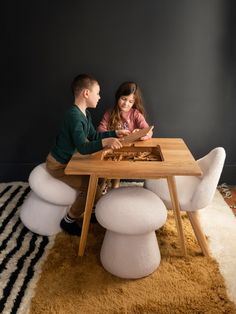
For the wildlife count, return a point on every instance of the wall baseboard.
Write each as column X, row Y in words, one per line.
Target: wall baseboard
column 20, row 172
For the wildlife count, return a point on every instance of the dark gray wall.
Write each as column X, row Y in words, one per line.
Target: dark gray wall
column 181, row 53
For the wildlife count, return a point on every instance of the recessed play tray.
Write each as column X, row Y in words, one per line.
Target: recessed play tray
column 133, row 154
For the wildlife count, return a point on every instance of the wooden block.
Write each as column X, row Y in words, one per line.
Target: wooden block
column 137, row 135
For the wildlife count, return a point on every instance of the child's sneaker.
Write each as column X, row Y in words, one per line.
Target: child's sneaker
column 70, row 226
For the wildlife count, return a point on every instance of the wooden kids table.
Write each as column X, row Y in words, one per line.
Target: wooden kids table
column 171, row 158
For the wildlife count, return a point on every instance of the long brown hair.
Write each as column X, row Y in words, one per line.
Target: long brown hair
column 125, row 89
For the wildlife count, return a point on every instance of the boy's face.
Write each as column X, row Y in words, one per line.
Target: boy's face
column 93, row 96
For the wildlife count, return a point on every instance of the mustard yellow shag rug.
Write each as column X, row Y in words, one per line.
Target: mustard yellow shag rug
column 72, row 285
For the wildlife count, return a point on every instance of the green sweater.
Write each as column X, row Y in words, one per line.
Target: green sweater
column 77, row 133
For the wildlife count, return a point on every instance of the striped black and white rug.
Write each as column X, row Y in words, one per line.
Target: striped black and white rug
column 21, row 252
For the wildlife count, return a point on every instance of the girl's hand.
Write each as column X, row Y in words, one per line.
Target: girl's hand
column 122, row 133
column 147, row 137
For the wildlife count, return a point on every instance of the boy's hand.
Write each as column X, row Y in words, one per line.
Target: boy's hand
column 111, row 142
column 122, row 133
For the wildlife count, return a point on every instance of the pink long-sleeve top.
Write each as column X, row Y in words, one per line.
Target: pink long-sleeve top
column 131, row 120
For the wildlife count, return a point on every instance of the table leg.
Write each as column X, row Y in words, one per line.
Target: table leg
column 93, row 182
column 115, row 183
column 193, row 217
column 176, row 210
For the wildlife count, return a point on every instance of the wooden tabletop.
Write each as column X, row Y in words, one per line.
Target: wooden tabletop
column 176, row 160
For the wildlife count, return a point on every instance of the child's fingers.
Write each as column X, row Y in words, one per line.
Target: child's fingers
column 146, row 137
column 116, row 144
column 123, row 133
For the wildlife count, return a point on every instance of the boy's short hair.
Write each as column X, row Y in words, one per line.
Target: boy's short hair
column 82, row 81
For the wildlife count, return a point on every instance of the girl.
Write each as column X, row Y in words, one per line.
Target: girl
column 128, row 112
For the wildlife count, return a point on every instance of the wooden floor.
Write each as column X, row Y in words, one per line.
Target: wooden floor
column 229, row 194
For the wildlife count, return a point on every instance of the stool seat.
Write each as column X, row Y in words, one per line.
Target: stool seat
column 49, row 188
column 47, row 202
column 131, row 210
column 131, row 215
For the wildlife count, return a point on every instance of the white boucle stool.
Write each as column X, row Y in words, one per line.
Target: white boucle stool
column 46, row 203
column 131, row 215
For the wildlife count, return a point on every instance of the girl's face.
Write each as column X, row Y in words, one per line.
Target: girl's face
column 125, row 103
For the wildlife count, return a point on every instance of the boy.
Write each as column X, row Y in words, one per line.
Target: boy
column 77, row 133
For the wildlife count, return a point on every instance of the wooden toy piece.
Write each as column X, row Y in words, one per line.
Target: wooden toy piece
column 133, row 154
column 137, row 135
